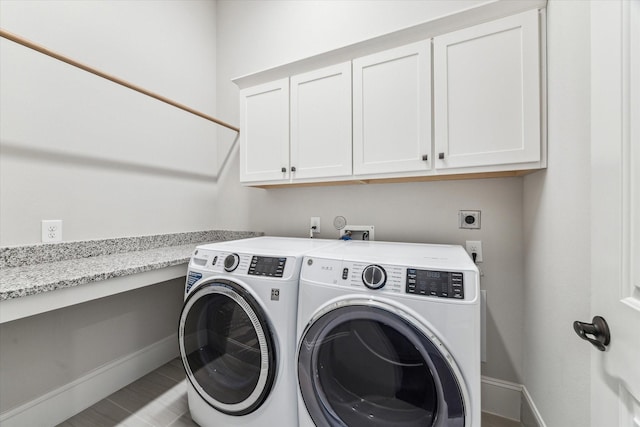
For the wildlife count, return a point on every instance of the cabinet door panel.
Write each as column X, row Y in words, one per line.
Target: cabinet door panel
column 264, row 133
column 321, row 122
column 487, row 93
column 392, row 110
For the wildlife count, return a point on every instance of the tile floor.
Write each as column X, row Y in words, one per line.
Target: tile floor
column 490, row 420
column 159, row 399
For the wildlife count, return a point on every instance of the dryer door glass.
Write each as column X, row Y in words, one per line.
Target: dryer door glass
column 226, row 347
column 367, row 366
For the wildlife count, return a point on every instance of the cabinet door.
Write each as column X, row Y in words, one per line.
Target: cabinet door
column 487, row 94
column 264, row 132
column 392, row 110
column 321, row 123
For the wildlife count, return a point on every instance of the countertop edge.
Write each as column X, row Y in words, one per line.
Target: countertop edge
column 33, row 279
column 56, row 284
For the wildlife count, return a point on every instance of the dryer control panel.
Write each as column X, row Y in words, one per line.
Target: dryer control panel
column 245, row 264
column 443, row 284
column 381, row 278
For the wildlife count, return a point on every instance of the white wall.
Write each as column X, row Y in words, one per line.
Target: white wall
column 557, row 230
column 106, row 160
column 253, row 36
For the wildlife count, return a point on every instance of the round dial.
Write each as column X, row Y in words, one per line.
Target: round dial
column 374, row 276
column 231, row 262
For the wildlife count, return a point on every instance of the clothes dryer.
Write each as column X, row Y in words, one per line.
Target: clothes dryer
column 389, row 335
column 237, row 331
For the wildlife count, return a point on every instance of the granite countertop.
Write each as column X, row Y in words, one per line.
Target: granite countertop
column 79, row 263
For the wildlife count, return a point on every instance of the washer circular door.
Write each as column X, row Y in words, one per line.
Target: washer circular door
column 366, row 363
column 227, row 347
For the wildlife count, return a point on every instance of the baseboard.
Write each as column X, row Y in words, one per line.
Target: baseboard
column 510, row 400
column 502, row 398
column 530, row 415
column 66, row 401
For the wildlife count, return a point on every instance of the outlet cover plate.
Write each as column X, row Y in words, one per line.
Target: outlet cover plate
column 51, row 230
column 469, row 219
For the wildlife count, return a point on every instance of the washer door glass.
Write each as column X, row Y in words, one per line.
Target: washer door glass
column 361, row 365
column 226, row 347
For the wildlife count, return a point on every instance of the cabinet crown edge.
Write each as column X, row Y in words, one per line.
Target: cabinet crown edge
column 488, row 11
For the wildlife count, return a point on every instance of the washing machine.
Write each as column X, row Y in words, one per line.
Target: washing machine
column 389, row 335
column 237, row 331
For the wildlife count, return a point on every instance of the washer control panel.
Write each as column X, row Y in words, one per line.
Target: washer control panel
column 266, row 266
column 244, row 264
column 443, row 284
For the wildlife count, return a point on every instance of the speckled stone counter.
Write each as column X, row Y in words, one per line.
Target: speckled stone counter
column 36, row 269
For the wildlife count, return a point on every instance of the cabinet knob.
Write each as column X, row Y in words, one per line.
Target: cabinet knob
column 425, row 157
column 293, row 168
column 283, row 170
column 441, row 156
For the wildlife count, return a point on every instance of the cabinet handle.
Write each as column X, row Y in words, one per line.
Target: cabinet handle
column 441, row 156
column 425, row 157
column 283, row 170
column 293, row 168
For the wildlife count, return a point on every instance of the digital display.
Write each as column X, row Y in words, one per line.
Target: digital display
column 442, row 284
column 432, row 274
column 267, row 266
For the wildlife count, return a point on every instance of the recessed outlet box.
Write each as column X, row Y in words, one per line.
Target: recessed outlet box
column 358, row 232
column 51, row 230
column 469, row 219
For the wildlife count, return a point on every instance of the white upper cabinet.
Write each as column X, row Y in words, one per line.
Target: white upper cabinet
column 321, row 123
column 264, row 135
column 487, row 92
column 466, row 99
column 392, row 110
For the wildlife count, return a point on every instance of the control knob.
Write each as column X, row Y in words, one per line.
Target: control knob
column 231, row 262
column 374, row 276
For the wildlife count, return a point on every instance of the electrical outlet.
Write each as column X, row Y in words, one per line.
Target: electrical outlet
column 475, row 246
column 469, row 219
column 51, row 230
column 314, row 224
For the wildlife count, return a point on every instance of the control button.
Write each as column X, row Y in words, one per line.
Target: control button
column 231, row 262
column 345, row 273
column 374, row 277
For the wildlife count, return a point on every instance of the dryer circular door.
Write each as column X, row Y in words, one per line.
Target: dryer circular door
column 366, row 363
column 227, row 347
